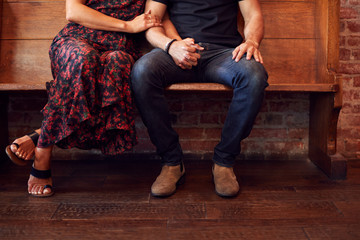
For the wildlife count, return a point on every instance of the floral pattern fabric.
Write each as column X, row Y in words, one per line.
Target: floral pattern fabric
column 90, row 103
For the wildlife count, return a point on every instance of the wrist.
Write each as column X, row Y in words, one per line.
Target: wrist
column 253, row 42
column 125, row 26
column 168, row 45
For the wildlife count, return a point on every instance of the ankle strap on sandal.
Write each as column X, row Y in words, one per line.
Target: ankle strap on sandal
column 34, row 137
column 42, row 174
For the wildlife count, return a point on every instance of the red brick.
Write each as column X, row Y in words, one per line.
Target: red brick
column 210, row 118
column 298, row 133
column 288, row 147
column 223, row 117
column 190, row 133
column 356, row 95
column 350, row 133
column 175, row 106
column 250, row 146
column 297, row 120
column 342, row 41
column 272, row 119
column 356, row 56
column 283, row 106
column 353, row 41
column 265, row 133
column 212, row 133
column 344, row 54
column 342, row 29
column 203, row 106
column 187, row 118
column 350, row 121
column 198, row 146
column 346, row 108
column 259, row 121
column 348, row 13
column 354, row 2
column 351, row 146
column 349, row 68
column 356, row 108
column 348, row 95
column 353, row 26
column 356, row 82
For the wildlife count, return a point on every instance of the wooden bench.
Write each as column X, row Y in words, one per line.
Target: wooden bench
column 300, row 48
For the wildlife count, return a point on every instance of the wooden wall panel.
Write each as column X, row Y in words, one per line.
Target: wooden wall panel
column 25, row 61
column 31, row 20
column 327, row 39
column 289, row 19
column 288, row 48
column 282, row 20
column 290, row 60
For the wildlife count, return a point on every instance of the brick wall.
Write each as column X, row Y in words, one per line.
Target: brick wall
column 349, row 71
column 281, row 128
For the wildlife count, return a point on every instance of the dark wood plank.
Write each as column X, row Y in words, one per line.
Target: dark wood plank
column 107, row 198
column 349, row 232
column 27, row 210
column 238, row 232
column 129, row 211
column 79, row 229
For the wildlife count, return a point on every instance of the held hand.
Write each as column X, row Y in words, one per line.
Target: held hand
column 250, row 48
column 185, row 53
column 143, row 22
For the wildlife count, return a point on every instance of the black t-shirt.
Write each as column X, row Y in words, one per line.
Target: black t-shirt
column 210, row 21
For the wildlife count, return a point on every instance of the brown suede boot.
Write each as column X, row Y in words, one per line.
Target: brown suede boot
column 225, row 181
column 165, row 184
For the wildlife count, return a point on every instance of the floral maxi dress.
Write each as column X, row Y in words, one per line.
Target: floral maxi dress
column 89, row 101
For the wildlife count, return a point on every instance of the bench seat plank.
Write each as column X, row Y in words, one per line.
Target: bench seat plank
column 316, row 87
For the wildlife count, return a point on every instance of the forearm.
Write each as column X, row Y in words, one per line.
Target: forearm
column 79, row 13
column 160, row 36
column 254, row 29
column 253, row 19
column 157, row 37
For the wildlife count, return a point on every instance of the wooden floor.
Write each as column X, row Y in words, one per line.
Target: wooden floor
column 107, row 199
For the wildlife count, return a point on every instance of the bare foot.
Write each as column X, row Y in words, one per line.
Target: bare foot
column 40, row 181
column 36, row 186
column 26, row 149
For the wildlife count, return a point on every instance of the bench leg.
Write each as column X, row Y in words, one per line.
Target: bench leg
column 4, row 131
column 324, row 115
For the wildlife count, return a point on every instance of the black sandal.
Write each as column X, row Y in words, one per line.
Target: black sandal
column 42, row 174
column 15, row 159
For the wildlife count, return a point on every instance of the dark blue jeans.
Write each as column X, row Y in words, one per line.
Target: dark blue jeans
column 156, row 70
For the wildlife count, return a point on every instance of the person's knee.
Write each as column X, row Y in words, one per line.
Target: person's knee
column 145, row 74
column 119, row 58
column 255, row 77
column 89, row 58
